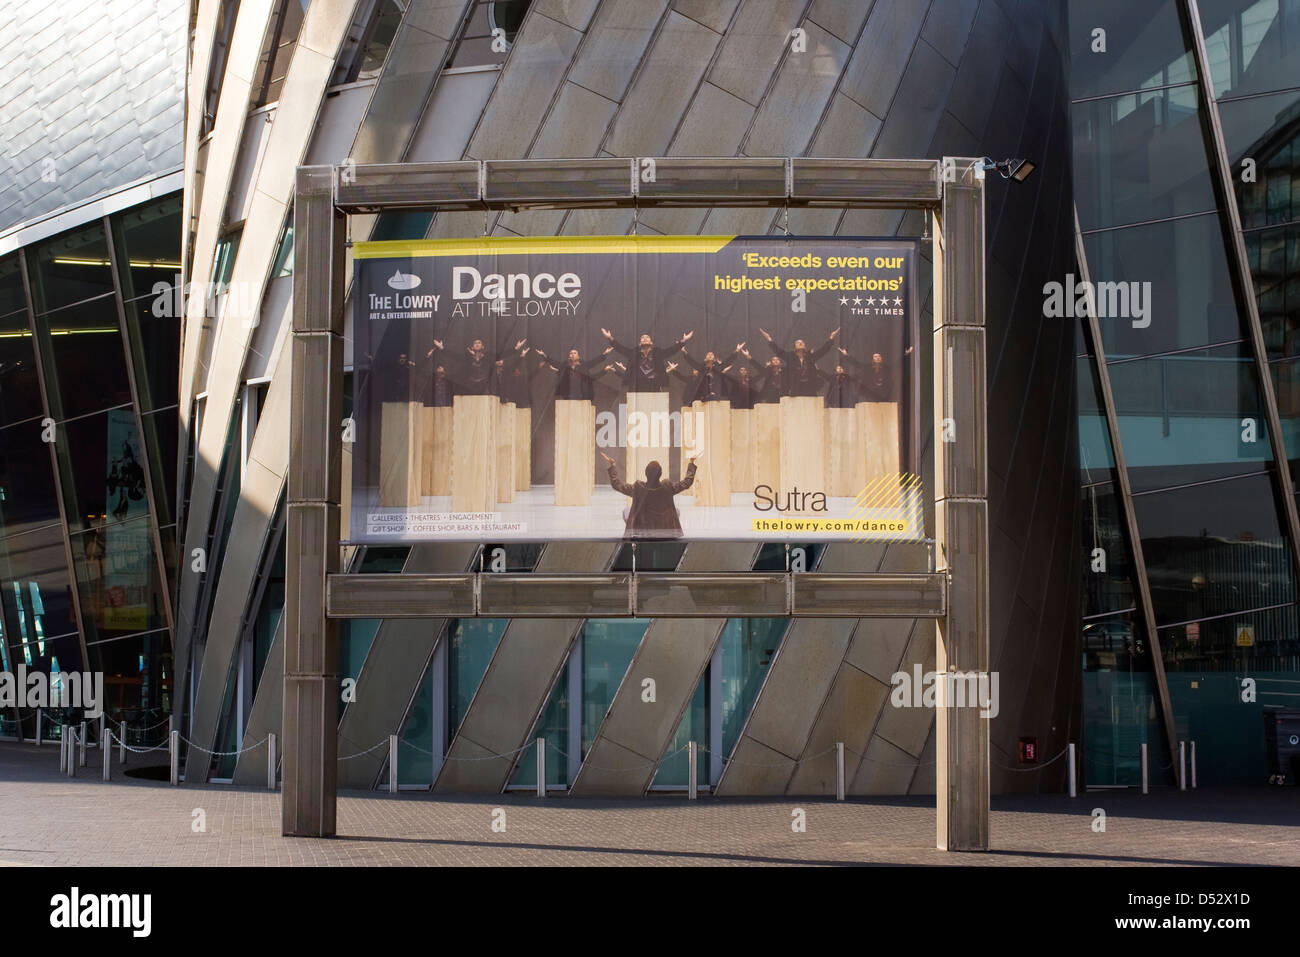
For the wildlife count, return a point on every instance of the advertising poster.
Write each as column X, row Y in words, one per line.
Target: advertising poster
column 625, row 387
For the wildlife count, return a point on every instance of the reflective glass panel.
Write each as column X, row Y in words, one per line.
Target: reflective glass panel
column 1107, row 568
column 118, row 580
column 1139, row 45
column 1214, row 549
column 607, row 649
column 20, row 394
column 71, row 268
column 471, row 645
column 35, row 594
column 1139, row 157
column 1252, row 44
column 11, row 285
column 554, row 728
column 1190, row 417
column 1168, row 287
column 674, row 771
column 747, row 646
column 82, row 351
column 151, row 247
column 137, row 676
column 27, row 497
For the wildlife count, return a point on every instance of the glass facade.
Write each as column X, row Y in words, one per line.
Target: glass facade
column 1185, row 393
column 89, row 348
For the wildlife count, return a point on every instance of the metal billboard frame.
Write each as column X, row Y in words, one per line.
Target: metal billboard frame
column 950, row 192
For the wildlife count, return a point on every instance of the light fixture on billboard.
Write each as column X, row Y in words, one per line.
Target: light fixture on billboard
column 1016, row 168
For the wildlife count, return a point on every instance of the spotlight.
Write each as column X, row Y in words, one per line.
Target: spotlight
column 1016, row 168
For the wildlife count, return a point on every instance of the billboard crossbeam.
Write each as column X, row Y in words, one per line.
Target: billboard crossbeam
column 639, row 182
column 638, row 594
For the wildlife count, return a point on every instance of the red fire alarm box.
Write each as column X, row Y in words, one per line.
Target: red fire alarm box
column 1028, row 750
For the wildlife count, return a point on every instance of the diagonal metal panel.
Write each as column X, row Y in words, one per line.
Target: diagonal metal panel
column 301, row 97
column 674, row 652
column 799, row 679
column 513, row 692
column 392, row 671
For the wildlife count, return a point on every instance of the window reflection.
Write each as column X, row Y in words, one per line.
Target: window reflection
column 1214, row 549
column 1253, row 45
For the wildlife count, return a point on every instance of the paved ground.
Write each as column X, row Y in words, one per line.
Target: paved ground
column 47, row 819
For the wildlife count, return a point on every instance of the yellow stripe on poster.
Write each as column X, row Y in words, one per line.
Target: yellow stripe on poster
column 535, row 245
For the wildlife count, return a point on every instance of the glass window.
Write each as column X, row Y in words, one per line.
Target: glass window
column 472, row 643
column 160, row 441
column 1266, row 131
column 118, row 580
column 36, row 595
column 1096, row 461
column 1139, row 157
column 81, row 349
column 747, row 647
column 12, row 298
column 71, row 268
column 1171, row 289
column 415, row 746
column 608, row 645
column 674, row 771
column 1274, row 256
column 1214, row 549
column 1107, row 568
column 27, row 498
column 1246, row 643
column 379, row 37
column 20, row 393
column 1253, row 45
column 1190, row 417
column 1120, row 707
column 476, row 43
column 137, row 675
column 102, row 466
column 1141, row 45
column 356, row 635
column 150, row 246
column 277, row 51
column 554, row 728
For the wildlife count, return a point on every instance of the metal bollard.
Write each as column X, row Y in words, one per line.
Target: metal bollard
column 1074, row 784
column 63, row 749
column 81, row 740
column 541, row 767
column 121, row 742
column 72, row 752
column 1145, row 785
column 38, row 727
column 270, row 761
column 692, row 784
column 103, row 730
column 1182, row 765
column 1193, row 764
column 105, row 746
column 174, row 753
column 839, row 770
column 392, row 764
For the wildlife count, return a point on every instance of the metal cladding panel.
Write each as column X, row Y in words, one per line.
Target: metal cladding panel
column 57, row 151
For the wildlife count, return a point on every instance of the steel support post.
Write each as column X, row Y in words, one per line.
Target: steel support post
column 961, row 505
column 310, row 718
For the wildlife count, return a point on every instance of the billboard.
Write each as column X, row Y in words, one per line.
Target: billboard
column 635, row 387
